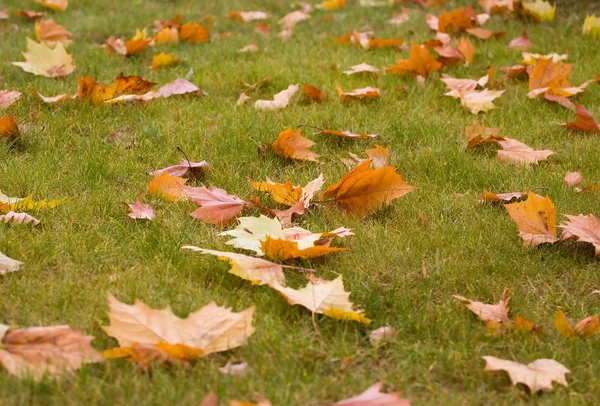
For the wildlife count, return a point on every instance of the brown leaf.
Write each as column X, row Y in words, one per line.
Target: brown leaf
column 582, row 228
column 584, row 121
column 291, row 144
column 497, row 313
column 374, row 397
column 420, row 62
column 536, row 219
column 216, row 205
column 479, row 134
column 363, row 191
column 34, row 351
column 314, row 94
column 537, row 376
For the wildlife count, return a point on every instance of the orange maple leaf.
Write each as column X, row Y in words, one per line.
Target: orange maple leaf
column 194, row 33
column 457, row 20
column 291, row 144
column 284, row 250
column 420, row 62
column 167, row 186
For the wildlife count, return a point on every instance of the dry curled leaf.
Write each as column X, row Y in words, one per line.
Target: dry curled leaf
column 537, row 375
column 363, row 190
column 497, row 313
column 55, row 350
column 323, row 297
column 358, row 94
column 582, row 228
column 536, row 219
column 491, row 197
column 314, row 94
column 374, row 397
column 216, row 205
column 183, row 168
column 280, row 100
column 362, row 68
column 584, row 121
column 42, row 60
column 239, row 369
column 247, row 15
column 18, row 218
column 291, row 144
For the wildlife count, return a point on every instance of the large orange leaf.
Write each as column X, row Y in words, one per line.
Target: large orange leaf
column 363, row 190
column 536, row 219
column 291, row 144
column 420, row 62
column 284, row 250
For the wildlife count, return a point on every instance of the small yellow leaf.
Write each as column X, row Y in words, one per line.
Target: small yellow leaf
column 591, row 25
column 539, row 10
column 163, row 59
column 562, row 325
column 45, row 61
column 167, row 186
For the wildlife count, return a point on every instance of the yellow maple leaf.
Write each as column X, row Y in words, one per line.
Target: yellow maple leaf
column 163, row 59
column 283, row 193
column 167, row 186
column 323, row 297
column 536, row 219
column 539, row 10
column 591, row 25
column 42, row 60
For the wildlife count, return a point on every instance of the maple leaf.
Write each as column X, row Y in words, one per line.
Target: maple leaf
column 358, row 94
column 382, row 334
column 290, row 20
column 361, row 68
column 167, row 35
column 482, row 33
column 478, row 134
column 549, row 77
column 323, row 297
column 284, row 250
column 420, row 62
column 216, row 205
column 480, row 100
column 585, row 328
column 280, row 100
column 532, row 59
column 584, row 121
column 256, row 270
column 378, row 157
column 381, row 43
column 167, row 186
column 539, row 10
column 537, row 375
column 18, row 218
column 284, row 193
column 467, row 49
column 49, row 32
column 374, row 397
column 9, row 129
column 8, row 265
column 497, row 313
column 163, row 59
column 183, row 168
column 140, row 210
column 45, row 61
column 247, row 15
column 363, row 191
column 521, row 42
column 291, row 144
column 314, row 94
column 582, row 228
column 572, row 178
column 194, row 33
column 517, row 152
column 536, row 219
column 8, row 97
column 591, row 25
column 36, row 351
column 56, row 5
column 263, row 28
column 209, row 329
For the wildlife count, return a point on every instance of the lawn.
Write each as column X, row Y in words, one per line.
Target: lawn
column 404, row 263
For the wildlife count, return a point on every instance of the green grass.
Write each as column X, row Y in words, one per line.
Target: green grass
column 97, row 156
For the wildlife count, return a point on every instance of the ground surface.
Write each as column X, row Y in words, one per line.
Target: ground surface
column 98, row 156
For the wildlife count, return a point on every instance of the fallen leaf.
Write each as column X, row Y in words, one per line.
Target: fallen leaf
column 548, row 77
column 290, row 20
column 249, row 48
column 535, row 218
column 256, row 270
column 178, row 87
column 374, row 397
column 378, row 157
column 9, row 130
column 8, row 265
column 539, row 10
column 398, row 18
column 140, row 210
column 467, row 49
column 381, row 43
column 420, row 62
column 209, row 329
column 284, row 250
column 291, row 144
column 284, row 193
column 582, row 228
column 263, row 28
column 56, row 5
column 457, row 20
column 333, row 4
column 532, row 59
column 261, row 401
column 480, row 100
column 280, row 100
column 161, row 354
column 314, row 94
column 382, row 334
column 497, row 6
column 323, row 297
column 183, row 168
column 483, row 33
column 497, row 313
column 358, row 94
column 167, row 186
column 8, row 97
column 521, row 42
column 361, row 68
column 560, row 100
column 537, row 375
column 584, row 121
column 49, row 32
column 585, row 328
column 490, row 197
column 162, row 59
column 239, row 369
column 167, row 35
column 591, row 25
column 247, row 15
column 517, row 152
column 478, row 134
column 19, row 204
column 194, row 33
column 572, row 178
column 216, row 205
column 55, row 350
column 30, row 14
column 347, row 134
column 18, row 218
column 363, row 191
column 45, row 61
